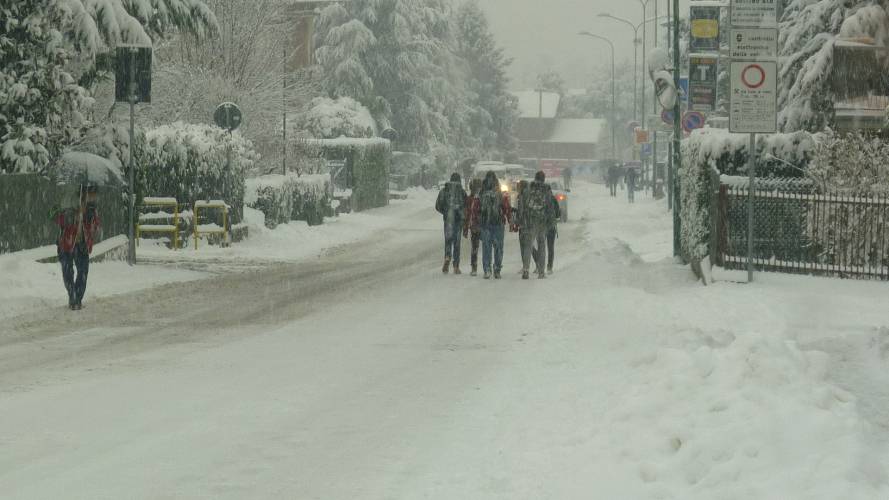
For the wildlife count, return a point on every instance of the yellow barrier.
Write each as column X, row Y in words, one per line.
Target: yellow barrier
column 160, row 228
column 210, row 228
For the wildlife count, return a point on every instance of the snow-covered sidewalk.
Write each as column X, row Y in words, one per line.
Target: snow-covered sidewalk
column 27, row 285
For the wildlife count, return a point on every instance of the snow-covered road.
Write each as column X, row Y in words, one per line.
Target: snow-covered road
column 367, row 374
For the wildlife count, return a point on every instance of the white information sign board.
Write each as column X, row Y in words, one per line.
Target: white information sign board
column 754, row 13
column 754, row 97
column 754, row 44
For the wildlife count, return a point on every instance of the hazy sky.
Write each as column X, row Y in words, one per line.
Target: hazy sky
column 542, row 34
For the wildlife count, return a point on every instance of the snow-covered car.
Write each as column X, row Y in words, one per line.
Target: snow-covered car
column 561, row 195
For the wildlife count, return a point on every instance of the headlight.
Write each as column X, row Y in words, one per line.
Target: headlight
column 504, row 188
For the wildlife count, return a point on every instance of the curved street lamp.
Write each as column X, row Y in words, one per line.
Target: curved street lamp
column 613, row 112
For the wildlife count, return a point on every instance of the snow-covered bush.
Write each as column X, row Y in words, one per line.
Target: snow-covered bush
column 331, row 118
column 285, row 198
column 367, row 169
column 189, row 162
column 715, row 151
column 851, row 163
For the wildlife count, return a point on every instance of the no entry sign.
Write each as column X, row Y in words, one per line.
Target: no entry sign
column 754, row 97
column 693, row 120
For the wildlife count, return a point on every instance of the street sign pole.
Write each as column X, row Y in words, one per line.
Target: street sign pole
column 131, row 253
column 677, row 135
column 751, row 172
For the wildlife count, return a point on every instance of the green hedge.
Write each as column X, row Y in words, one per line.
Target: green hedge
column 286, row 198
column 27, row 202
column 711, row 152
column 368, row 162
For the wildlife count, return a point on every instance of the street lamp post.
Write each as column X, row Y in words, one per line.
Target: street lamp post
column 636, row 41
column 613, row 109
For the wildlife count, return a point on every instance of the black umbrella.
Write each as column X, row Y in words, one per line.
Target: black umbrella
column 86, row 169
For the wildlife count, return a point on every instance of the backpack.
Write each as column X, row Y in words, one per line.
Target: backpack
column 491, row 208
column 539, row 206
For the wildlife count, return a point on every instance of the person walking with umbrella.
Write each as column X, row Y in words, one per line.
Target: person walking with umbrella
column 78, row 219
column 79, row 224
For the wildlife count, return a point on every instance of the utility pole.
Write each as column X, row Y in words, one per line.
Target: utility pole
column 677, row 133
column 540, row 131
column 284, row 113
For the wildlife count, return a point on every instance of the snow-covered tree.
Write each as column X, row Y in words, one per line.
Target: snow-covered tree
column 332, row 118
column 402, row 60
column 495, row 110
column 809, row 30
column 47, row 47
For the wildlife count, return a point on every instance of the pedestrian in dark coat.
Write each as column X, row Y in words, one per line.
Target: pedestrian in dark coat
column 535, row 216
column 551, row 234
column 451, row 203
column 471, row 223
column 631, row 178
column 78, row 228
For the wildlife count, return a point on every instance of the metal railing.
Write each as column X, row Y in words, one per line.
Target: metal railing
column 801, row 231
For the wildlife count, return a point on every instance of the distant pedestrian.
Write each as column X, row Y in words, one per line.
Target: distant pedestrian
column 551, row 234
column 451, row 203
column 631, row 178
column 495, row 212
column 535, row 216
column 567, row 176
column 613, row 176
column 79, row 223
column 471, row 223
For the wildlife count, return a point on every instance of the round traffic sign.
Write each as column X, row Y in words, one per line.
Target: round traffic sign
column 227, row 116
column 753, row 76
column 693, row 120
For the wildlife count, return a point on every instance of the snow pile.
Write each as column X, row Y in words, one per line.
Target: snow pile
column 283, row 198
column 714, row 414
column 332, row 118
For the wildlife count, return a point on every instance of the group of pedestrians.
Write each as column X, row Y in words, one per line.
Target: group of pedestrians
column 629, row 175
column 483, row 215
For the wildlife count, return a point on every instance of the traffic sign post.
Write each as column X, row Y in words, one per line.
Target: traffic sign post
column 753, row 44
column 132, row 84
column 754, row 86
column 754, row 13
column 227, row 116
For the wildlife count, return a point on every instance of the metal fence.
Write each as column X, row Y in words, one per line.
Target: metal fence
column 798, row 230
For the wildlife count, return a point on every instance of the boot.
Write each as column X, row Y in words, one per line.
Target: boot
column 549, row 270
column 457, row 269
column 541, row 276
column 496, row 275
column 447, row 264
column 524, row 275
column 474, row 271
column 487, row 275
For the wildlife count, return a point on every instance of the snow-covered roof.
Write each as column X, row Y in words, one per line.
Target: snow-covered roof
column 529, row 103
column 350, row 141
column 577, row 131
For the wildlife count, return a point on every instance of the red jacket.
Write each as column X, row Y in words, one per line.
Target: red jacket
column 473, row 210
column 67, row 222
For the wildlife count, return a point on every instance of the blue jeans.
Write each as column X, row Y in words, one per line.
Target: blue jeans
column 80, row 259
column 492, row 242
column 452, row 233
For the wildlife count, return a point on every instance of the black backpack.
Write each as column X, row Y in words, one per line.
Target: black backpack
column 539, row 205
column 491, row 208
